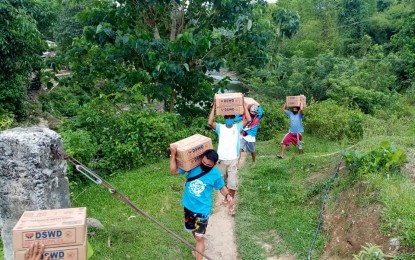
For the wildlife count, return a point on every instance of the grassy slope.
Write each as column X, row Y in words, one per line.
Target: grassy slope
column 278, row 209
column 280, row 199
column 127, row 235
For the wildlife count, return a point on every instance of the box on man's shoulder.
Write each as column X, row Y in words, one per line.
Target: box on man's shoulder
column 295, row 101
column 190, row 150
column 229, row 103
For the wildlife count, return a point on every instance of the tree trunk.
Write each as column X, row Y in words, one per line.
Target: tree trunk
column 156, row 32
column 173, row 26
column 172, row 101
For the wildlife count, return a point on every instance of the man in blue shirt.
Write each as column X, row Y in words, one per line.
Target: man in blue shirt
column 197, row 197
column 294, row 136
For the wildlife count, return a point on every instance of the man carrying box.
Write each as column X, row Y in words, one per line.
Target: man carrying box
column 294, row 136
column 229, row 147
column 197, row 197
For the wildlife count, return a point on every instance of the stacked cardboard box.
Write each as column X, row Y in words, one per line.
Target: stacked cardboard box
column 190, row 150
column 62, row 231
column 229, row 104
column 295, row 101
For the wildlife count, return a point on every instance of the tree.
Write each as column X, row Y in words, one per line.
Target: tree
column 21, row 46
column 353, row 20
column 67, row 26
column 165, row 46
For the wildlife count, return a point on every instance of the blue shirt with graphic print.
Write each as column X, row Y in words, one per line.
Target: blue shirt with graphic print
column 197, row 195
column 296, row 122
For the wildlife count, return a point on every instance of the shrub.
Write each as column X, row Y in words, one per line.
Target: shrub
column 334, row 122
column 80, row 143
column 122, row 139
column 60, row 101
column 384, row 159
column 367, row 100
column 273, row 122
column 6, row 120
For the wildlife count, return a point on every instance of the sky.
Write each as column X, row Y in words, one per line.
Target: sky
column 272, row 1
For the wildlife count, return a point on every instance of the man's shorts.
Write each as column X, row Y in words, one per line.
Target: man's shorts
column 229, row 171
column 291, row 138
column 247, row 146
column 195, row 222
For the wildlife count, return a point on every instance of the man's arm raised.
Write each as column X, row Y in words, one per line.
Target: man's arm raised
column 211, row 121
column 173, row 164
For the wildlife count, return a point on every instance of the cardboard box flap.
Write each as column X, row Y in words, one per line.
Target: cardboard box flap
column 51, row 218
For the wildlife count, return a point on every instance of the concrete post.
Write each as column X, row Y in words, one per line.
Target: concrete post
column 31, row 178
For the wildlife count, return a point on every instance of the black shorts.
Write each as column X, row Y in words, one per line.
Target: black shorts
column 195, row 222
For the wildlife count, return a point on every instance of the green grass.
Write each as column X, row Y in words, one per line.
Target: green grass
column 279, row 200
column 127, row 234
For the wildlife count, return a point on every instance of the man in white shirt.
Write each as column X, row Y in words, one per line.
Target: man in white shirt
column 229, row 148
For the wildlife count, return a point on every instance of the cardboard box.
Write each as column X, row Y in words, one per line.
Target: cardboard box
column 295, row 101
column 230, row 110
column 190, row 164
column 59, row 253
column 190, row 149
column 229, row 100
column 58, row 227
column 250, row 101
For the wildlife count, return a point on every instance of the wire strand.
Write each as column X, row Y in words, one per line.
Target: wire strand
column 121, row 197
column 323, row 203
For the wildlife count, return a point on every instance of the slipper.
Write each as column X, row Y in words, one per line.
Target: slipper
column 280, row 157
column 232, row 211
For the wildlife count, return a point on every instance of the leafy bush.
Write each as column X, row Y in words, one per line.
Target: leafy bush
column 80, row 143
column 367, row 100
column 334, row 122
column 384, row 159
column 22, row 45
column 273, row 122
column 111, row 139
column 60, row 101
column 6, row 120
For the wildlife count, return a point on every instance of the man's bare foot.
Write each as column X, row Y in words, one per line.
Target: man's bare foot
column 280, row 156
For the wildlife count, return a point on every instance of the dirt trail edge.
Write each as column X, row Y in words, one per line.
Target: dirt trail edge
column 220, row 234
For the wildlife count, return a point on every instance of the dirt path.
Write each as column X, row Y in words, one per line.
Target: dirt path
column 220, row 234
